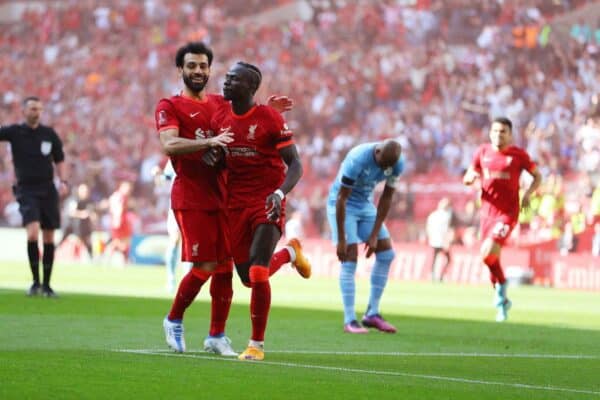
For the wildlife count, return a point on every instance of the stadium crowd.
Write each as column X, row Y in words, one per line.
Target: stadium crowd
column 428, row 72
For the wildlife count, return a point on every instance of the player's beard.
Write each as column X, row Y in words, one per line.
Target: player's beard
column 195, row 87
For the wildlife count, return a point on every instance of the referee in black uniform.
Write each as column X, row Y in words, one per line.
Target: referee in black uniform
column 36, row 149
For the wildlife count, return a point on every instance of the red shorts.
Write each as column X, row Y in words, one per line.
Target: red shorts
column 497, row 228
column 204, row 235
column 243, row 222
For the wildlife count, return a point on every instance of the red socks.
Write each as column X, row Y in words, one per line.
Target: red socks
column 496, row 274
column 260, row 301
column 186, row 293
column 278, row 259
column 221, row 292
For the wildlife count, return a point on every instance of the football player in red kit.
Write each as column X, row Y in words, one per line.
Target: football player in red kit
column 263, row 166
column 498, row 166
column 198, row 196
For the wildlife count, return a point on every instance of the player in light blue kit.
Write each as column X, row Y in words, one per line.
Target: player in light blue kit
column 354, row 219
column 172, row 252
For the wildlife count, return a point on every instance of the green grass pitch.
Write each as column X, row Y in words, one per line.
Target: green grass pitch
column 103, row 339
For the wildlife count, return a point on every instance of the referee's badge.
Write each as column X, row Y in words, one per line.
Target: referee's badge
column 46, row 147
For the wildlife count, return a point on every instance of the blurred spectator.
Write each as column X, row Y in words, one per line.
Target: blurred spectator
column 80, row 217
column 567, row 243
column 453, row 61
column 596, row 240
column 440, row 235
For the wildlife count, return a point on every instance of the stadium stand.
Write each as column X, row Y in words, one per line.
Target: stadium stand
column 428, row 72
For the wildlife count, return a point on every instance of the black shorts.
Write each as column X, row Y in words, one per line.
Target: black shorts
column 39, row 203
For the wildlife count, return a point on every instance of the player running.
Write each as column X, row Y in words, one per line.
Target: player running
column 498, row 166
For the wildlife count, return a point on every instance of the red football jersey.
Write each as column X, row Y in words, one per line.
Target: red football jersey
column 500, row 172
column 197, row 185
column 255, row 167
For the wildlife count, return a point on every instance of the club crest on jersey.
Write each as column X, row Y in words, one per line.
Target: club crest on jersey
column 252, row 132
column 508, row 160
column 46, row 147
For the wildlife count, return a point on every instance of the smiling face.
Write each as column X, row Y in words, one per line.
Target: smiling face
column 500, row 135
column 195, row 71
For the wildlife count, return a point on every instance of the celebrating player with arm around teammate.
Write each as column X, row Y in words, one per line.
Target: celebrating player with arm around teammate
column 354, row 219
column 498, row 166
column 198, row 197
column 263, row 166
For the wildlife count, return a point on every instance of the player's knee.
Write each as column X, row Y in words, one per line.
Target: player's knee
column 259, row 273
column 385, row 256
column 490, row 259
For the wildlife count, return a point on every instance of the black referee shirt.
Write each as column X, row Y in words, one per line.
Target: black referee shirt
column 34, row 152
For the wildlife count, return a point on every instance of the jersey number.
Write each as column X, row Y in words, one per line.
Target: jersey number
column 501, row 230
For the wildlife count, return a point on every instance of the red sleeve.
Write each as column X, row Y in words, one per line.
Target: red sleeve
column 476, row 163
column 526, row 162
column 165, row 116
column 282, row 135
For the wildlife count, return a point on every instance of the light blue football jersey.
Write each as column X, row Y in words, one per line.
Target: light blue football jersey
column 360, row 172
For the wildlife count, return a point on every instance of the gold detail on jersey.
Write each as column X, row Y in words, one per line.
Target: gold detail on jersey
column 162, row 117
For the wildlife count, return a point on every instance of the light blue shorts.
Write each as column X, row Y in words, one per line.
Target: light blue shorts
column 359, row 224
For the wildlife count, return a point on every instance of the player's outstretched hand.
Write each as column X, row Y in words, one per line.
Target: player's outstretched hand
column 273, row 207
column 220, row 140
column 280, row 103
column 213, row 156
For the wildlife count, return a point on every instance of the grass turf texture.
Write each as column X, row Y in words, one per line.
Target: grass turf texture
column 111, row 345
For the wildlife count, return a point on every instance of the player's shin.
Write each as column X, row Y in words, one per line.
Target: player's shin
column 348, row 289
column 278, row 259
column 221, row 292
column 188, row 290
column 260, row 301
column 379, row 278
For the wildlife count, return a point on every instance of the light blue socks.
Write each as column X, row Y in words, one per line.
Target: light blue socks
column 348, row 289
column 379, row 278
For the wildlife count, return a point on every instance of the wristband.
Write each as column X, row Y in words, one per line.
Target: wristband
column 279, row 194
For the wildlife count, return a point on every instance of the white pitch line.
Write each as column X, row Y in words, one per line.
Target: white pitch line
column 366, row 371
column 414, row 354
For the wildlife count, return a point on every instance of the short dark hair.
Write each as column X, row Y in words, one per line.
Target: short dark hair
column 255, row 72
column 28, row 99
column 504, row 121
column 194, row 48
